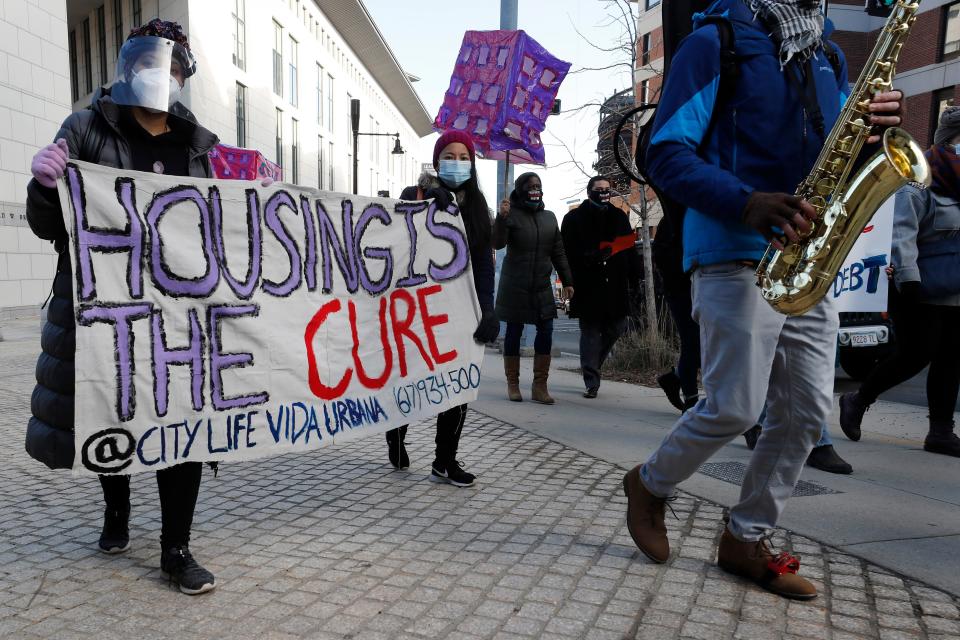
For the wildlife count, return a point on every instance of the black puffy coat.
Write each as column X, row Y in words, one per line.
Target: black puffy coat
column 602, row 291
column 534, row 250
column 92, row 135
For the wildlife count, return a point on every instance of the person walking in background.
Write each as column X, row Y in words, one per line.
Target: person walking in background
column 454, row 158
column 599, row 244
column 525, row 296
column 137, row 124
column 823, row 456
column 925, row 303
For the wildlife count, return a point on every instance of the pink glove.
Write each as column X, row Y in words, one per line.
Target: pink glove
column 266, row 182
column 50, row 163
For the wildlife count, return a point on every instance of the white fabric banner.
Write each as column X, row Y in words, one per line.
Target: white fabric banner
column 862, row 284
column 220, row 320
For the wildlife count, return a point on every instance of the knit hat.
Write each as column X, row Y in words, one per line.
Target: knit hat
column 522, row 180
column 949, row 126
column 449, row 137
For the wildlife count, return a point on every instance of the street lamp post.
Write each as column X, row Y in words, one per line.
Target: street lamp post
column 355, row 124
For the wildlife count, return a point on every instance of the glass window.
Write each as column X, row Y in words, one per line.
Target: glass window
column 241, row 115
column 319, row 94
column 371, row 141
column 645, row 49
column 279, row 149
column 293, row 71
column 652, row 3
column 941, row 100
column 295, row 150
column 320, row 167
column 951, row 32
column 87, row 57
column 118, row 24
column 74, row 72
column 330, row 101
column 136, row 13
column 102, row 43
column 330, row 172
column 277, row 59
column 239, row 33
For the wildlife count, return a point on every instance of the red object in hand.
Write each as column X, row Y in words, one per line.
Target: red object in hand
column 783, row 563
column 620, row 243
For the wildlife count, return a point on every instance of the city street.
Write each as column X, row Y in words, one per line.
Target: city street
column 335, row 544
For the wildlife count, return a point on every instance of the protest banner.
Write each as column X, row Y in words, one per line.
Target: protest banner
column 221, row 320
column 862, row 284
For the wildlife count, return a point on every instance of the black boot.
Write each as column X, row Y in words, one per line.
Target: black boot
column 942, row 439
column 826, row 459
column 396, row 451
column 115, row 535
column 852, row 408
column 670, row 383
column 178, row 563
column 446, row 468
column 751, row 435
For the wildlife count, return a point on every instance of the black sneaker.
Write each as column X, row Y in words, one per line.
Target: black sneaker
column 827, row 459
column 942, row 439
column 186, row 572
column 670, row 383
column 591, row 392
column 751, row 435
column 452, row 474
column 115, row 536
column 851, row 415
column 689, row 402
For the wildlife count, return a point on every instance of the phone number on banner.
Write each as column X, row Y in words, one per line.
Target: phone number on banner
column 436, row 389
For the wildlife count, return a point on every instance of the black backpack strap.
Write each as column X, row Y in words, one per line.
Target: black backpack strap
column 833, row 56
column 729, row 67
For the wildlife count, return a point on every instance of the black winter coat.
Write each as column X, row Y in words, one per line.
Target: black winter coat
column 602, row 291
column 534, row 250
column 92, row 135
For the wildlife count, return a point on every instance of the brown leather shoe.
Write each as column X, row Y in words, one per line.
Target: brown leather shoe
column 645, row 518
column 754, row 560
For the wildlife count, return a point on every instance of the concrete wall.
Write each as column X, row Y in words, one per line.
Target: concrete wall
column 34, row 100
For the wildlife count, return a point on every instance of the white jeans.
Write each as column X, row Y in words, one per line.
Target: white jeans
column 748, row 347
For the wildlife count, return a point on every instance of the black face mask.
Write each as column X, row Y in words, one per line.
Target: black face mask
column 599, row 197
column 532, row 197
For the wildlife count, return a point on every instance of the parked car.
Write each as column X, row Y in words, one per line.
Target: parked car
column 864, row 339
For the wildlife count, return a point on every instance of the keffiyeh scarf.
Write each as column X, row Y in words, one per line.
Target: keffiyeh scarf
column 795, row 25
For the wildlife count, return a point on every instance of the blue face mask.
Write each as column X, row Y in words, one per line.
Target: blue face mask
column 454, row 172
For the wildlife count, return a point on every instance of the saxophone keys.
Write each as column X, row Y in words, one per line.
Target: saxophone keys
column 801, row 280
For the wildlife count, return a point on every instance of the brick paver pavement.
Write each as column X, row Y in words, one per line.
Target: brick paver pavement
column 335, row 544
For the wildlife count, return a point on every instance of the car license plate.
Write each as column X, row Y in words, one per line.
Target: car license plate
column 863, row 339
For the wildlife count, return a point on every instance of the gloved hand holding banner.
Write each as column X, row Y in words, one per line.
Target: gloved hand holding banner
column 221, row 320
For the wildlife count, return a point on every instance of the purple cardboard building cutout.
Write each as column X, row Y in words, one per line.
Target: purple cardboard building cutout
column 501, row 91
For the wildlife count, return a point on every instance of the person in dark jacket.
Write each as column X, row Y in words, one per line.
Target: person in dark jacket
column 926, row 313
column 136, row 124
column 525, row 296
column 604, row 272
column 454, row 158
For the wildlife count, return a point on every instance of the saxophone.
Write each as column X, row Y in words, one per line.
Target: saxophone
column 796, row 278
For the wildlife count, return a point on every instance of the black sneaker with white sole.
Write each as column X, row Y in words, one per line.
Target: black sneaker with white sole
column 115, row 535
column 452, row 473
column 192, row 579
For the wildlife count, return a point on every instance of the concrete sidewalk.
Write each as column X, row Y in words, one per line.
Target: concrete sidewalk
column 900, row 509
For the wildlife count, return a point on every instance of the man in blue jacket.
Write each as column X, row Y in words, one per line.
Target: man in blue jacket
column 734, row 170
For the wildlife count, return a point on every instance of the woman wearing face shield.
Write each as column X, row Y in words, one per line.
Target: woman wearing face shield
column 534, row 249
column 454, row 159
column 136, row 124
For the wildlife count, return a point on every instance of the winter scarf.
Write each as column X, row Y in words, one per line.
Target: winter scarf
column 945, row 170
column 795, row 25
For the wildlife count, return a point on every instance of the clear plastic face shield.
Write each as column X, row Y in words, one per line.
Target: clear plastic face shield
column 151, row 73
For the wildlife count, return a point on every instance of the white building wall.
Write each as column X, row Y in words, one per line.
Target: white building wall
column 34, row 100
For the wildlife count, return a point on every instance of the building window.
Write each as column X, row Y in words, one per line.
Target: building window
column 645, row 50
column 349, row 149
column 279, row 150
column 644, row 92
column 330, row 101
column 87, row 57
column 652, row 3
column 941, row 100
column 74, row 72
column 372, row 142
column 319, row 94
column 330, row 172
column 239, row 34
column 118, row 24
column 951, row 32
column 320, row 166
column 241, row 115
column 102, row 43
column 295, row 150
column 277, row 59
column 293, row 71
column 136, row 13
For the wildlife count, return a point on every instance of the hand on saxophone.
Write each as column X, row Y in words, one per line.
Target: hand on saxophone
column 886, row 111
column 778, row 216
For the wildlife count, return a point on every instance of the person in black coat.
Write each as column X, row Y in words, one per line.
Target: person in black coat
column 600, row 248
column 136, row 124
column 531, row 236
column 454, row 158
